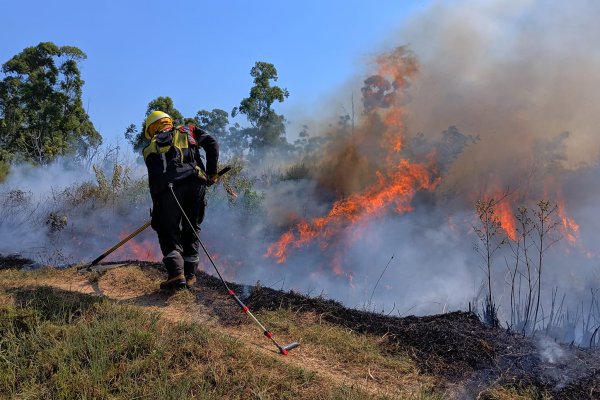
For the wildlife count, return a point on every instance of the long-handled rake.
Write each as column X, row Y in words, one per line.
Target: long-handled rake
column 282, row 349
column 90, row 266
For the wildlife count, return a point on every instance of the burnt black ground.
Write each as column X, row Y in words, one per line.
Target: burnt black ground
column 13, row 261
column 461, row 348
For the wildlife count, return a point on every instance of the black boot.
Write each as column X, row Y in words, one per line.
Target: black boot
column 174, row 265
column 190, row 266
column 176, row 282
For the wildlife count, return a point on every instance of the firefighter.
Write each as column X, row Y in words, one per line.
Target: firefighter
column 176, row 174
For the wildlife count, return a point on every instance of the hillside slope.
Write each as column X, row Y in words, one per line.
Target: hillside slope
column 345, row 353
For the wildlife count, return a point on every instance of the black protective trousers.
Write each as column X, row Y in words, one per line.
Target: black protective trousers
column 176, row 237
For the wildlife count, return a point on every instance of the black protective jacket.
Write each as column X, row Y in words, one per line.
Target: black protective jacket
column 172, row 157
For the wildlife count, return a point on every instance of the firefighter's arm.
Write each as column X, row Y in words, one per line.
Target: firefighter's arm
column 211, row 147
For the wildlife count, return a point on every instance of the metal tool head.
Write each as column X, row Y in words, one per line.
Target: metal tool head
column 284, row 349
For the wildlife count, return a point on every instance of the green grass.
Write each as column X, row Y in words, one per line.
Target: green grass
column 14, row 274
column 61, row 345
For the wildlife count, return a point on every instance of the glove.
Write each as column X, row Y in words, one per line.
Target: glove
column 201, row 174
column 212, row 179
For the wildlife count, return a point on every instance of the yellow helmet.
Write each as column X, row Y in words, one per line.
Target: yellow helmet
column 152, row 118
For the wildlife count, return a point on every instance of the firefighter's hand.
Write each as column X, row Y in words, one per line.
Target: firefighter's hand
column 212, row 179
column 201, row 174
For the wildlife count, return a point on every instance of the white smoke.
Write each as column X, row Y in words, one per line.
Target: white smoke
column 48, row 218
column 516, row 74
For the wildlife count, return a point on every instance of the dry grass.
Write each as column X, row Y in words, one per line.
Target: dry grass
column 511, row 393
column 130, row 279
column 351, row 354
column 331, row 363
column 58, row 344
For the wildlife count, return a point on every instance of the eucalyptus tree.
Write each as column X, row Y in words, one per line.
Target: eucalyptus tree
column 267, row 127
column 41, row 110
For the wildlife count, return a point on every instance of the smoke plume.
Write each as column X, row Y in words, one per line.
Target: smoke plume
column 475, row 100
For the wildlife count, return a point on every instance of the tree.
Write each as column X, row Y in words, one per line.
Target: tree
column 306, row 145
column 214, row 121
column 492, row 238
column 41, row 111
column 232, row 140
column 267, row 127
column 237, row 141
column 521, row 313
column 545, row 223
column 136, row 137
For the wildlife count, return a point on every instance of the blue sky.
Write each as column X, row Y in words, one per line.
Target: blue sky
column 200, row 53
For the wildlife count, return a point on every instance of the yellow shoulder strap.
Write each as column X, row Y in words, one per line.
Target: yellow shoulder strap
column 151, row 148
column 180, row 139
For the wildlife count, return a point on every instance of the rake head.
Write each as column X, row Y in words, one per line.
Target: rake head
column 284, row 349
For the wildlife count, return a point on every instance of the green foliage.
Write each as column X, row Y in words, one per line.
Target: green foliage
column 113, row 188
column 4, row 169
column 165, row 104
column 267, row 127
column 303, row 142
column 57, row 306
column 257, row 107
column 118, row 189
column 296, row 172
column 136, row 137
column 236, row 141
column 232, row 141
column 247, row 199
column 41, row 111
column 306, row 146
column 214, row 121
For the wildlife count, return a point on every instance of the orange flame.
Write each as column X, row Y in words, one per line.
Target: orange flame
column 507, row 219
column 396, row 190
column 136, row 249
column 392, row 189
column 569, row 227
